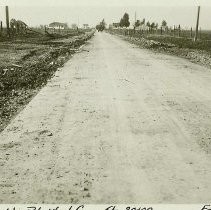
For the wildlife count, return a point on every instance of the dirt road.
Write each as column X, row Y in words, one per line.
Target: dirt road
column 117, row 124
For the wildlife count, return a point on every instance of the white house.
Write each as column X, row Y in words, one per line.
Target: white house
column 57, row 25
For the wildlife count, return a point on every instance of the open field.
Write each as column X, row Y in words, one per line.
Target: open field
column 27, row 62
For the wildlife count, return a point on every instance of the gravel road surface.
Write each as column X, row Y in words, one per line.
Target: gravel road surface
column 117, row 124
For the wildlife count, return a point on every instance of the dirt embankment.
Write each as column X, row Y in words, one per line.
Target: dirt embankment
column 196, row 52
column 26, row 66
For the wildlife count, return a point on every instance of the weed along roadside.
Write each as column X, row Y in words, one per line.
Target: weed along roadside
column 26, row 67
column 197, row 52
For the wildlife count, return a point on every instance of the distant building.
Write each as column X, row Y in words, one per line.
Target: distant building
column 57, row 25
column 86, row 26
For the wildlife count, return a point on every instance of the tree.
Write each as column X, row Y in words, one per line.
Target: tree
column 143, row 22
column 121, row 23
column 101, row 26
column 124, row 22
column 98, row 27
column 148, row 24
column 137, row 23
column 164, row 23
column 152, row 25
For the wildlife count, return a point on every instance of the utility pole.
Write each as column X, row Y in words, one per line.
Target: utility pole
column 1, row 28
column 191, row 32
column 197, row 24
column 174, row 30
column 179, row 30
column 135, row 23
column 7, row 20
column 135, row 17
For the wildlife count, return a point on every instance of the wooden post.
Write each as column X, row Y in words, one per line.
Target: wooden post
column 200, row 33
column 191, row 32
column 174, row 31
column 161, row 30
column 179, row 31
column 135, row 17
column 7, row 20
column 1, row 28
column 197, row 24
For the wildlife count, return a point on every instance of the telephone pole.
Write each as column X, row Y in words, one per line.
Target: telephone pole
column 197, row 24
column 78, row 21
column 7, row 20
column 135, row 17
column 1, row 27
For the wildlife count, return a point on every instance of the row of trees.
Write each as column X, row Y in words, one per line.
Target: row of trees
column 152, row 25
column 124, row 22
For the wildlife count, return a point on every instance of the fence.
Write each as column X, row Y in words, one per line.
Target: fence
column 175, row 32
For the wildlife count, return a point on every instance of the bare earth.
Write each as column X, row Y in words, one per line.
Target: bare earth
column 117, row 124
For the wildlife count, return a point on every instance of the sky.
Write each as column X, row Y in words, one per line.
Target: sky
column 41, row 12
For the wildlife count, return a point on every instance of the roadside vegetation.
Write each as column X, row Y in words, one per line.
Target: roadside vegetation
column 183, row 42
column 27, row 63
column 167, row 39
